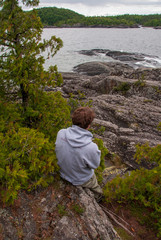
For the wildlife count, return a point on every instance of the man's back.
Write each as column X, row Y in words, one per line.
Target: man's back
column 77, row 155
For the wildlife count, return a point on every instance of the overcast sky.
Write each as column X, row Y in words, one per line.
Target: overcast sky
column 106, row 7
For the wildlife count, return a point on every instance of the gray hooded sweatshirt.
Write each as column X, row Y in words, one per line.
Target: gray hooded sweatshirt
column 77, row 155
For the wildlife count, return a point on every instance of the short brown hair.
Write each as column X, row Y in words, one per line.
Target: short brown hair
column 83, row 117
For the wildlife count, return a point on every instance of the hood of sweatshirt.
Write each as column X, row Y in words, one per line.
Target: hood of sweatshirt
column 78, row 137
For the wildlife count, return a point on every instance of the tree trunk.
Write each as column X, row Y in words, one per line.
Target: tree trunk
column 25, row 96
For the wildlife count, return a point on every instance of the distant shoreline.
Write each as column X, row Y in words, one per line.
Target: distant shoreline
column 94, row 26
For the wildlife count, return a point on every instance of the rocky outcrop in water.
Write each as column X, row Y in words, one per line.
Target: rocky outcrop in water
column 127, row 103
column 132, row 59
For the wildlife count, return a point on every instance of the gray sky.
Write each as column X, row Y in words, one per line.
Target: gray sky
column 106, row 7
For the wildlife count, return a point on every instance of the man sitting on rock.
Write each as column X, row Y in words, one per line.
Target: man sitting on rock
column 77, row 155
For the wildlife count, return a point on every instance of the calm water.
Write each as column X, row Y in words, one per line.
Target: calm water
column 139, row 40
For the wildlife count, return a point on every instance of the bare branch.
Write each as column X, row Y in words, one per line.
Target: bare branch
column 111, row 215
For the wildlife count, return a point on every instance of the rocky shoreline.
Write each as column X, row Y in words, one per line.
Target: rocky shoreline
column 133, row 59
column 127, row 103
column 79, row 25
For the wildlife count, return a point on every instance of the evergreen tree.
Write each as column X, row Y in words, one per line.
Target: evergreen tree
column 27, row 130
column 21, row 65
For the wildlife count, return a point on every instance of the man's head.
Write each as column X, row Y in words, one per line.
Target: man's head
column 83, row 117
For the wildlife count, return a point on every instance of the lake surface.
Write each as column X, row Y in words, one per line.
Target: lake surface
column 136, row 40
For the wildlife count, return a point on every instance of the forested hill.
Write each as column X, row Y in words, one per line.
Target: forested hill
column 53, row 16
column 61, row 17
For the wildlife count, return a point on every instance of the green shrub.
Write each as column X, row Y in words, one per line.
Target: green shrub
column 76, row 101
column 159, row 127
column 28, row 127
column 97, row 129
column 48, row 112
column 140, row 82
column 122, row 87
column 62, row 210
column 27, row 142
column 27, row 158
column 141, row 186
column 78, row 209
column 104, row 152
column 150, row 154
column 9, row 114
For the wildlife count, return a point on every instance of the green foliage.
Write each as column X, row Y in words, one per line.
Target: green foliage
column 9, row 114
column 150, row 154
column 53, row 16
column 159, row 127
column 29, row 117
column 97, row 129
column 27, row 158
column 104, row 152
column 157, row 89
column 141, row 82
column 122, row 87
column 48, row 112
column 57, row 16
column 78, row 101
column 141, row 186
column 25, row 2
column 27, row 130
column 21, row 63
column 27, row 155
column 78, row 209
column 61, row 210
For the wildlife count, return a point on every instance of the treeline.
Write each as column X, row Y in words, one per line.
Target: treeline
column 53, row 16
column 60, row 17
